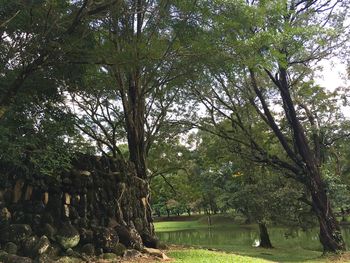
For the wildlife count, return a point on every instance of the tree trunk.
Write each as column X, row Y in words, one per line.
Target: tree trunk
column 209, row 217
column 168, row 212
column 134, row 111
column 330, row 235
column 343, row 215
column 264, row 236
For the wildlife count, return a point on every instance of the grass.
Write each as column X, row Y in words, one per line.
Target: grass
column 237, row 252
column 217, row 221
column 205, row 256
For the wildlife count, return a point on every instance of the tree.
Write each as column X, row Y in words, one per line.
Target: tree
column 268, row 51
column 37, row 39
column 137, row 47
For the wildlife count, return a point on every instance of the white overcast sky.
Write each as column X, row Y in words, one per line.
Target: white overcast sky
column 334, row 75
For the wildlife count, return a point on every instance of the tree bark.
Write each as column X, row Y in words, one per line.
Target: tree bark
column 330, row 235
column 264, row 236
column 134, row 111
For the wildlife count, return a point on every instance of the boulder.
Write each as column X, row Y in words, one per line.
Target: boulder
column 3, row 255
column 42, row 245
column 16, row 259
column 67, row 236
column 53, row 250
column 29, row 244
column 109, row 256
column 11, row 248
column 86, row 236
column 88, row 249
column 68, row 260
column 5, row 216
column 19, row 232
column 44, row 258
column 49, row 231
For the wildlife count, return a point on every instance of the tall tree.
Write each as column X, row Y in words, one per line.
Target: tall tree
column 140, row 49
column 268, row 52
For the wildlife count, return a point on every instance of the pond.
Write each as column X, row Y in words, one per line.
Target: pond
column 239, row 237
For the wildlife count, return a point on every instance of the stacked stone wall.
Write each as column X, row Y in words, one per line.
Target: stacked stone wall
column 98, row 206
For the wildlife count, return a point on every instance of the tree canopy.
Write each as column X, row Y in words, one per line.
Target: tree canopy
column 216, row 103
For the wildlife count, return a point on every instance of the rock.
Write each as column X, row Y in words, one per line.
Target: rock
column 42, row 245
column 3, row 255
column 131, row 253
column 69, row 252
column 67, row 236
column 119, row 249
column 17, row 259
column 86, row 236
column 68, row 260
column 109, row 256
column 19, row 232
column 18, row 217
column 88, row 249
column 5, row 216
column 54, row 250
column 11, row 248
column 29, row 244
column 49, row 231
column 4, row 236
column 106, row 238
column 85, row 173
column 47, row 218
column 44, row 259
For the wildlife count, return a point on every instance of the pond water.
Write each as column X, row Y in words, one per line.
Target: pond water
column 235, row 237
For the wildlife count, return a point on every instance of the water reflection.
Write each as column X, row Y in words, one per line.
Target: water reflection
column 230, row 237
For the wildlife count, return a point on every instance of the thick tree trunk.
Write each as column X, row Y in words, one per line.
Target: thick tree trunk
column 134, row 110
column 264, row 236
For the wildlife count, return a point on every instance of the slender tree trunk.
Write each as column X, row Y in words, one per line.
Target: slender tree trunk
column 330, row 235
column 209, row 217
column 168, row 213
column 343, row 215
column 264, row 236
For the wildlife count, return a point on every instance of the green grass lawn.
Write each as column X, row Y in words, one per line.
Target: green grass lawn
column 206, row 256
column 238, row 252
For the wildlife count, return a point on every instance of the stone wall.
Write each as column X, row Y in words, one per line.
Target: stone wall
column 99, row 206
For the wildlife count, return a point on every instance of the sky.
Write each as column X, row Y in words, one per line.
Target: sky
column 334, row 75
